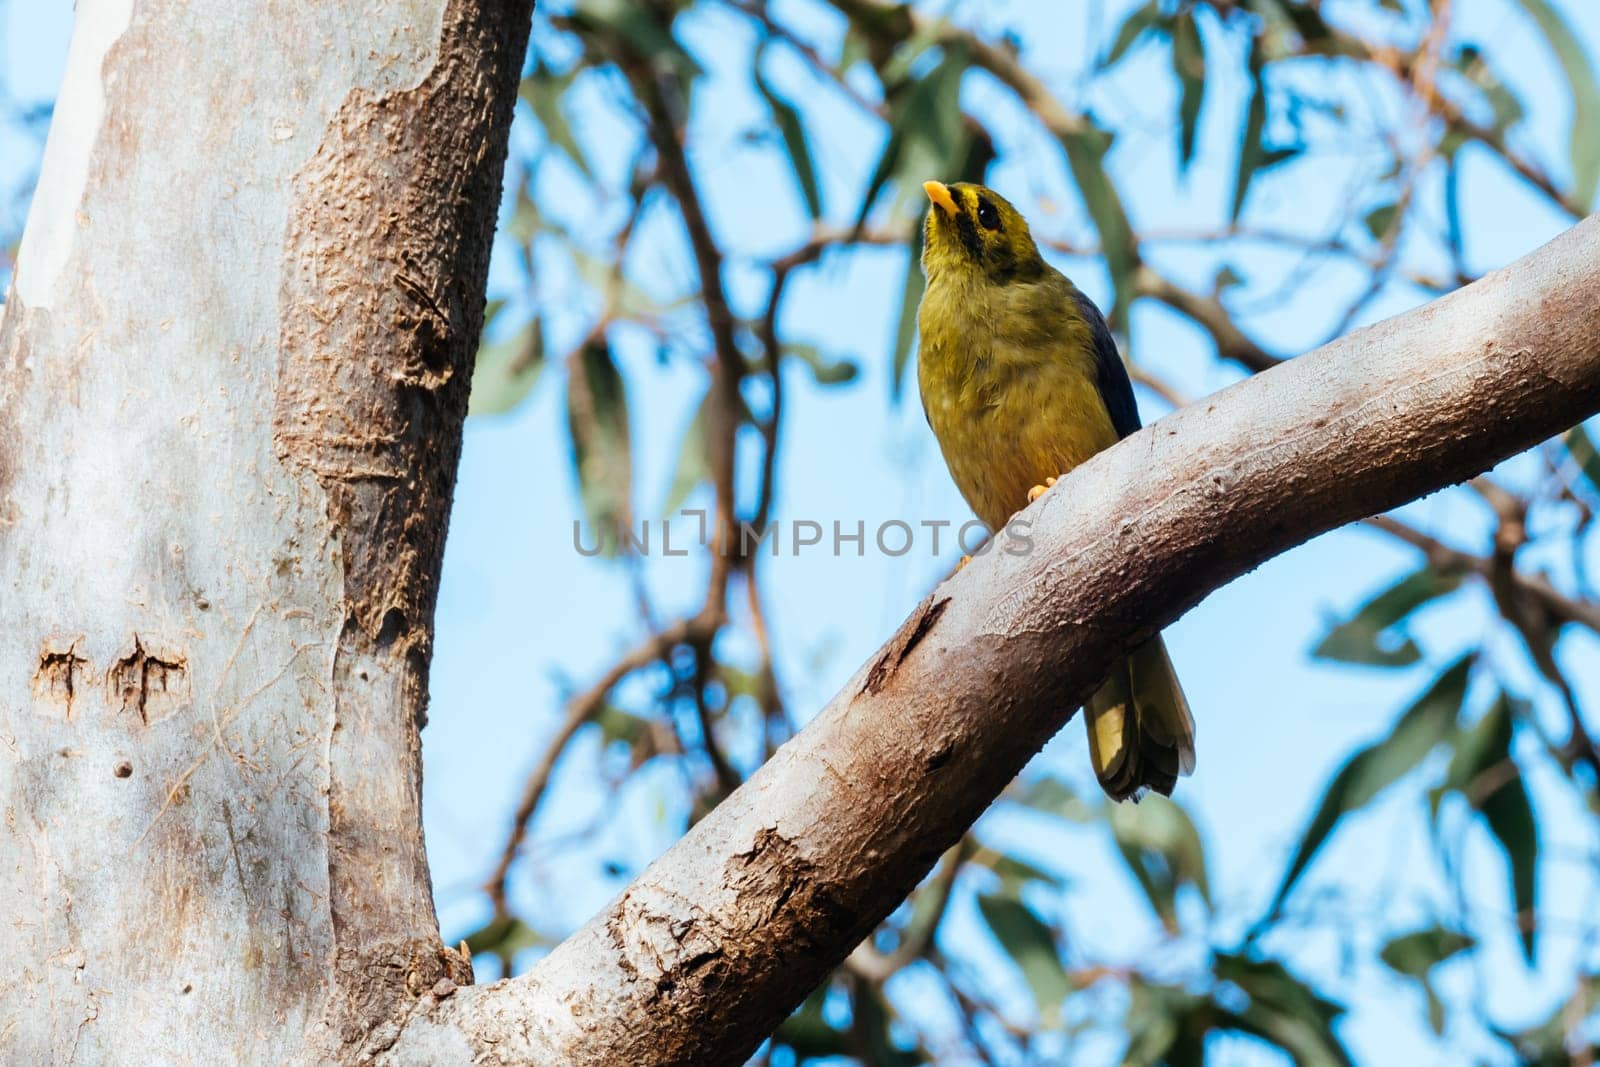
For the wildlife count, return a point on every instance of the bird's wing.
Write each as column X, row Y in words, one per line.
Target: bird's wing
column 1111, row 377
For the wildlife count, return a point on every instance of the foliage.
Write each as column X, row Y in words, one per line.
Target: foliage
column 1249, row 82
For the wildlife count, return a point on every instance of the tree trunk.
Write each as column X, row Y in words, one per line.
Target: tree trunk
column 708, row 950
column 233, row 369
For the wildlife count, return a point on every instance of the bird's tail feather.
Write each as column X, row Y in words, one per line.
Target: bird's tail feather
column 1141, row 734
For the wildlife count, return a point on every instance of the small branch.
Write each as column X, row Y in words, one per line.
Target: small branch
column 580, row 710
column 728, row 779
column 1210, row 315
column 1443, row 557
column 874, row 966
column 727, row 365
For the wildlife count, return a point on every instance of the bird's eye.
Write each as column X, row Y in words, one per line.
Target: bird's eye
column 988, row 217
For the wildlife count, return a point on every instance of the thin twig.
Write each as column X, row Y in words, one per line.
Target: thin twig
column 580, row 710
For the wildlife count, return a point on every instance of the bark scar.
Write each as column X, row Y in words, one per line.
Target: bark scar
column 144, row 681
column 907, row 638
column 57, row 675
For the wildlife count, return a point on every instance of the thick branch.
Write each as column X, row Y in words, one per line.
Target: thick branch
column 711, row 947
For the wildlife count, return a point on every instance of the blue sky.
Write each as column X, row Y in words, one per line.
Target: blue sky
column 522, row 619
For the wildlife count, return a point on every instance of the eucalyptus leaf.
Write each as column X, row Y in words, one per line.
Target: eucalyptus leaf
column 1255, row 121
column 1371, row 635
column 1163, row 851
column 505, row 937
column 1429, row 720
column 1189, row 66
column 1484, row 771
column 1285, row 1011
column 905, row 331
column 1584, row 140
column 795, row 142
column 1417, row 953
column 1581, row 447
column 542, row 91
column 602, row 452
column 1140, row 21
column 506, row 370
column 824, row 370
column 694, row 459
column 1086, row 157
column 1380, row 221
column 1032, row 946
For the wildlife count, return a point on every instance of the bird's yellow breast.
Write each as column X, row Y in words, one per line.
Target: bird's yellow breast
column 1009, row 390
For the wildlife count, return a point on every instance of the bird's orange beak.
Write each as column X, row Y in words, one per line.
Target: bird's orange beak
column 939, row 193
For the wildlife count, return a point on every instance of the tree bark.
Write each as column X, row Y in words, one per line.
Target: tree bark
column 233, row 369
column 707, row 951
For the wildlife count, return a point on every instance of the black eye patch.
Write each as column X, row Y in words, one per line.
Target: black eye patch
column 988, row 217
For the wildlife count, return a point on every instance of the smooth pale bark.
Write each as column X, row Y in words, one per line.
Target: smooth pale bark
column 233, row 368
column 710, row 947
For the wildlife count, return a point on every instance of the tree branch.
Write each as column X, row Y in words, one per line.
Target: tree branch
column 714, row 944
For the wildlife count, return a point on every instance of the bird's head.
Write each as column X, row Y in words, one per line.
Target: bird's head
column 973, row 231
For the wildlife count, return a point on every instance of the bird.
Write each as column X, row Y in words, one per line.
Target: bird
column 1021, row 381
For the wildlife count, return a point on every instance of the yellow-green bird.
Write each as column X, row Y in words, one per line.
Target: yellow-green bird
column 1021, row 382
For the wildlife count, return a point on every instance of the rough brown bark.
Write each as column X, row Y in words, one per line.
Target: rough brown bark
column 709, row 948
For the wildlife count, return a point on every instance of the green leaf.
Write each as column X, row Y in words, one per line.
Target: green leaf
column 1373, row 769
column 618, row 725
column 873, row 1021
column 602, row 454
column 928, row 136
column 507, row 370
column 1138, row 23
column 1584, row 146
column 1052, row 796
column 1283, row 1010
column 1163, row 850
column 1015, row 873
column 793, row 132
column 1380, row 221
column 1484, row 772
column 694, row 459
column 905, row 331
column 808, row 1033
column 1086, row 158
column 1165, row 1025
column 505, row 937
column 1507, row 109
column 1189, row 66
column 1370, row 636
column 638, row 27
column 542, row 91
column 1581, row 447
column 1417, row 953
column 1032, row 947
column 824, row 370
column 1250, row 146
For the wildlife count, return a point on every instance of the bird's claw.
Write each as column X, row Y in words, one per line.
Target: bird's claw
column 964, row 561
column 1039, row 490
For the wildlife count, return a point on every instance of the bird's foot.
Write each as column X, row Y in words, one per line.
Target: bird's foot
column 1038, row 491
column 964, row 561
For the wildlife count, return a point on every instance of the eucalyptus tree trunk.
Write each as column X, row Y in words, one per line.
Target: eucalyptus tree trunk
column 234, row 363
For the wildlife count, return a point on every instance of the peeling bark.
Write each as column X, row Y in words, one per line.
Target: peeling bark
column 233, row 369
column 707, row 951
